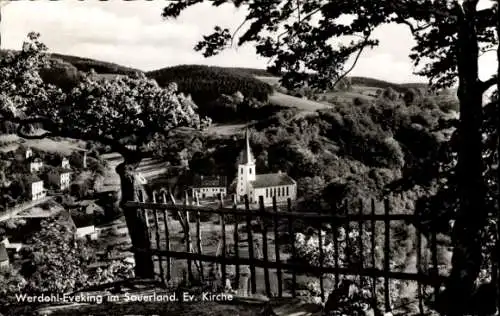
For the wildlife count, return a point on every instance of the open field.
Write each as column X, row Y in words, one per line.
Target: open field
column 226, row 129
column 284, row 100
column 63, row 146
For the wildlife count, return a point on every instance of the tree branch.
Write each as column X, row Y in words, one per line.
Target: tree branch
column 485, row 85
column 233, row 36
column 341, row 77
column 54, row 130
column 414, row 28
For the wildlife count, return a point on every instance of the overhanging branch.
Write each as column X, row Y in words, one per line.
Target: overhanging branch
column 360, row 51
column 485, row 85
column 56, row 130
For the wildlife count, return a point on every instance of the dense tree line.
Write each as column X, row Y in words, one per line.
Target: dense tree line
column 206, row 83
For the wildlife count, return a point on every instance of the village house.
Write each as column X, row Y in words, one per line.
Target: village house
column 209, row 186
column 28, row 153
column 82, row 225
column 35, row 188
column 85, row 227
column 15, row 247
column 65, row 163
column 90, row 207
column 60, row 178
column 270, row 185
column 35, row 164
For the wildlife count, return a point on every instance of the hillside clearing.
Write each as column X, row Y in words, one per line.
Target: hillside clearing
column 62, row 146
column 226, row 130
column 284, row 100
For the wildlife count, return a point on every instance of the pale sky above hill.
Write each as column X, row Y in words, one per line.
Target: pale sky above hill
column 134, row 34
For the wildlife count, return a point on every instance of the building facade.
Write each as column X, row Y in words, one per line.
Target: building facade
column 209, row 187
column 35, row 164
column 36, row 189
column 60, row 178
column 270, row 185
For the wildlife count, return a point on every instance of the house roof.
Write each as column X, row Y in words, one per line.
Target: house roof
column 30, row 178
column 66, row 219
column 272, row 180
column 34, row 159
column 82, row 220
column 4, row 256
column 209, row 181
column 60, row 170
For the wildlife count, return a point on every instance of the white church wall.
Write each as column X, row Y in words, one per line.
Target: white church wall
column 280, row 192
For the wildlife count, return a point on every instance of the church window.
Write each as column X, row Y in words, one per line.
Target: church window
column 274, row 192
column 241, row 170
column 283, row 191
column 250, row 170
column 287, row 192
column 267, row 192
column 279, row 192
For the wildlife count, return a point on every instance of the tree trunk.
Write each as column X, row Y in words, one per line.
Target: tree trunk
column 471, row 217
column 136, row 222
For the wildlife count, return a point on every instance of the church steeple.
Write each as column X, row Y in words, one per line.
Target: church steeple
column 246, row 170
column 247, row 155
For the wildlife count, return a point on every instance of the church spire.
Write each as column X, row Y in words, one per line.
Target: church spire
column 247, row 152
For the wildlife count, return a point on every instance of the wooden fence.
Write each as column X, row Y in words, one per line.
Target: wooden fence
column 276, row 223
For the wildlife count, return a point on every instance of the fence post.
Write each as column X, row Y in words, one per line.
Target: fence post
column 250, row 246
column 419, row 270
column 265, row 252
column 292, row 241
column 167, row 237
column 277, row 249
column 435, row 270
column 373, row 246
column 139, row 234
column 223, row 237
column 157, row 235
column 336, row 252
column 387, row 249
column 198, row 242
column 236, row 247
column 187, row 236
column 321, row 259
column 360, row 240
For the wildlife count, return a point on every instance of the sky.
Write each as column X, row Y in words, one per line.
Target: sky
column 133, row 33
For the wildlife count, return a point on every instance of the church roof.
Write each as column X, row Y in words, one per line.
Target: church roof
column 246, row 155
column 209, row 182
column 272, row 180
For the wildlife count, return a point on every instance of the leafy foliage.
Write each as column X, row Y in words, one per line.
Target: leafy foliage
column 301, row 38
column 51, row 253
column 118, row 112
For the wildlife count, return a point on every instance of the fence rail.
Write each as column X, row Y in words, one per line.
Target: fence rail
column 273, row 225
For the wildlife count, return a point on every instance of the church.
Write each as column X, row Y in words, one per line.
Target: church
column 267, row 185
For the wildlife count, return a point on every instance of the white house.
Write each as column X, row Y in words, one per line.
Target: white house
column 35, row 188
column 270, row 185
column 65, row 163
column 16, row 247
column 35, row 164
column 60, row 177
column 28, row 153
column 209, row 186
column 85, row 227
